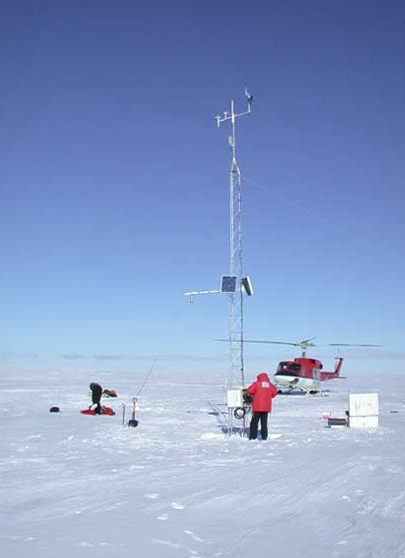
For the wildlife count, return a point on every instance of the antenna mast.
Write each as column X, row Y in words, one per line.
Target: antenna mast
column 235, row 248
column 234, row 284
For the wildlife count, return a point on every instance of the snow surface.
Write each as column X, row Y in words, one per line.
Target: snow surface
column 178, row 486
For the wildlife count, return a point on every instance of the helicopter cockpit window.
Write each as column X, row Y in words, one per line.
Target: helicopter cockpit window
column 289, row 366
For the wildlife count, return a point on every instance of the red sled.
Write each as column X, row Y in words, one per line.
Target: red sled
column 110, row 393
column 105, row 411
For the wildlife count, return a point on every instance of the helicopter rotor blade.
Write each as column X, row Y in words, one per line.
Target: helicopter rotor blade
column 305, row 343
column 351, row 345
column 260, row 341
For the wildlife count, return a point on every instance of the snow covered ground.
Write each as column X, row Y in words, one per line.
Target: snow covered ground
column 178, row 486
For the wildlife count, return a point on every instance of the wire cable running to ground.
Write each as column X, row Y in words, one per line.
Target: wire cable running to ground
column 147, row 377
column 304, row 210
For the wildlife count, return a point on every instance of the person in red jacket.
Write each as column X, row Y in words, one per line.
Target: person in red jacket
column 263, row 392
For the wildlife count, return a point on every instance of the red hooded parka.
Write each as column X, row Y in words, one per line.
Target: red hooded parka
column 263, row 392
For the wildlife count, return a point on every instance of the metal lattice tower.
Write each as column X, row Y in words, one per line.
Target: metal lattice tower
column 235, row 250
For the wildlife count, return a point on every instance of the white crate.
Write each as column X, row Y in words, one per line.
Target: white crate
column 235, row 398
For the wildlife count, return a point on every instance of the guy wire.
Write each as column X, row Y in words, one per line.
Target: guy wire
column 147, row 377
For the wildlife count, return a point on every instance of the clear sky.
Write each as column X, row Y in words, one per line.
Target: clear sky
column 115, row 180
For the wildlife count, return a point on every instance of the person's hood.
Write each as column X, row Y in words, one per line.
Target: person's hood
column 263, row 377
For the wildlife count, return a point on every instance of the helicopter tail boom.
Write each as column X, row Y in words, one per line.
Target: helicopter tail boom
column 335, row 374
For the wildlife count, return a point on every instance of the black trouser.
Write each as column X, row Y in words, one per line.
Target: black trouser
column 96, row 392
column 254, row 423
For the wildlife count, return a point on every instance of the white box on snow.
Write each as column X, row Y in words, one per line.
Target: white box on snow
column 363, row 410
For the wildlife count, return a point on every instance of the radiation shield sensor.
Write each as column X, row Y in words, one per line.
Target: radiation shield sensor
column 247, row 285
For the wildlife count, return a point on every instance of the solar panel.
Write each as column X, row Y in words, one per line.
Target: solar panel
column 228, row 284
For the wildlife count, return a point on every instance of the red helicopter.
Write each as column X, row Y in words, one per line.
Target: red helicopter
column 305, row 374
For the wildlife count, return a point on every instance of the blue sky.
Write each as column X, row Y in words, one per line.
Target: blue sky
column 114, row 180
